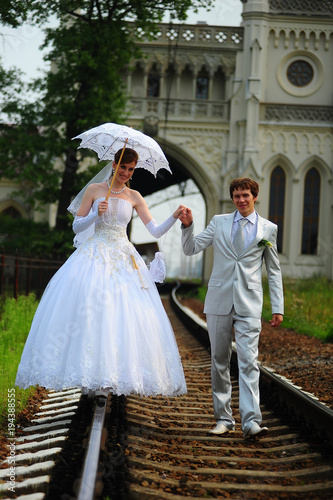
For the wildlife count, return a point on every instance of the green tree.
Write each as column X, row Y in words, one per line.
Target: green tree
column 89, row 49
column 14, row 12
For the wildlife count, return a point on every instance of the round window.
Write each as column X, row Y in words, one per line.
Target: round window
column 300, row 73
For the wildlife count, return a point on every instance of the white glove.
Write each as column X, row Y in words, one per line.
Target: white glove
column 81, row 223
column 158, row 230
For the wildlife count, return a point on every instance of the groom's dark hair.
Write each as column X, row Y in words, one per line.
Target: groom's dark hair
column 244, row 183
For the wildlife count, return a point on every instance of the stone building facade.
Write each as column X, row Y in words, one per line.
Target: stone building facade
column 254, row 100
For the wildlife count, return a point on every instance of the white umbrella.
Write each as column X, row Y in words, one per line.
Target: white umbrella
column 108, row 138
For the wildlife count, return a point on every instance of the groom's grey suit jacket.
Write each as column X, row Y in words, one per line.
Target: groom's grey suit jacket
column 236, row 280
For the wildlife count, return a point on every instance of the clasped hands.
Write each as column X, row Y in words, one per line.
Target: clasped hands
column 184, row 214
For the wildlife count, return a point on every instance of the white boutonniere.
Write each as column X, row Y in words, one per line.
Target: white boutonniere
column 264, row 243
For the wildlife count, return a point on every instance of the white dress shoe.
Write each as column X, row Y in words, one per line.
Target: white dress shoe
column 102, row 393
column 256, row 431
column 220, row 429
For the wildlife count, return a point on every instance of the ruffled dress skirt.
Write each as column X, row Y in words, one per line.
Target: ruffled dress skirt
column 101, row 323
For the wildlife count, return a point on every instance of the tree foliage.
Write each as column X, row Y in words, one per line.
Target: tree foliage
column 34, row 239
column 90, row 47
column 14, row 12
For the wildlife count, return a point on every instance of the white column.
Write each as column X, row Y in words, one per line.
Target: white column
column 129, row 82
column 210, row 84
column 145, row 82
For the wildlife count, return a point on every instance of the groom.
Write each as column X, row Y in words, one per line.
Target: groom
column 241, row 241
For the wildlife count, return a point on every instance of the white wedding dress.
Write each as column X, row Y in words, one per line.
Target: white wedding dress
column 101, row 323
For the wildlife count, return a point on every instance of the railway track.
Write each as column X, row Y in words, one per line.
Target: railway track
column 38, row 449
column 159, row 448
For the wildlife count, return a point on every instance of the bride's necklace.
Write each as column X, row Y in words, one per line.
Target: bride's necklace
column 111, row 190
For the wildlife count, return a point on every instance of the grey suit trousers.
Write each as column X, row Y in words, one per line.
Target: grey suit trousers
column 247, row 331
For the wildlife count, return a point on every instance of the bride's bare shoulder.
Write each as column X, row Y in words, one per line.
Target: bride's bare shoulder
column 95, row 191
column 97, row 185
column 94, row 188
column 134, row 193
column 135, row 196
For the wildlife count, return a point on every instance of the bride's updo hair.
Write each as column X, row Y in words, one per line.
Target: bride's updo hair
column 128, row 156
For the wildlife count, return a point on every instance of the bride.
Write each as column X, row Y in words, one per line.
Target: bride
column 100, row 324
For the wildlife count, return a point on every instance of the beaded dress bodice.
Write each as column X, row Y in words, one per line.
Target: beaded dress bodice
column 109, row 245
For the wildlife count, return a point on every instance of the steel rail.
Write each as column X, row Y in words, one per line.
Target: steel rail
column 88, row 478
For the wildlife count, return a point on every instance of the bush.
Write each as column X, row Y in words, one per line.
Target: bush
column 34, row 239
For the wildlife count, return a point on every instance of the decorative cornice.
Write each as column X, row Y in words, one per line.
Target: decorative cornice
column 313, row 8
column 291, row 35
column 194, row 59
column 283, row 112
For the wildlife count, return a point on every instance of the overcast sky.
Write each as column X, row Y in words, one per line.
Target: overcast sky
column 20, row 47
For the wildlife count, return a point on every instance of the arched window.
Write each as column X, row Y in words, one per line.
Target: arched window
column 311, row 212
column 153, row 89
column 11, row 212
column 202, row 85
column 276, row 202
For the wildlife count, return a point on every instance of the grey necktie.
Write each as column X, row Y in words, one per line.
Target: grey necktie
column 239, row 239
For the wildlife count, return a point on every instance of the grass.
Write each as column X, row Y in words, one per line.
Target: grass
column 308, row 305
column 15, row 321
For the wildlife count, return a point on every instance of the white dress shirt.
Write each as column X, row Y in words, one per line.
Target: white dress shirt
column 250, row 229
